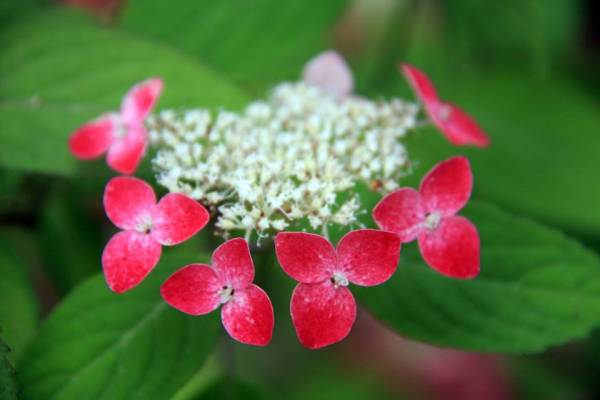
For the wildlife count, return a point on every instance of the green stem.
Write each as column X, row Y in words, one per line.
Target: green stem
column 201, row 380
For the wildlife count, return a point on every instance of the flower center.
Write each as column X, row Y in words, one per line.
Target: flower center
column 338, row 279
column 444, row 112
column 432, row 220
column 145, row 225
column 225, row 294
column 121, row 130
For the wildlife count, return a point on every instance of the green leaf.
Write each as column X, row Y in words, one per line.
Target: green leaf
column 57, row 71
column 18, row 304
column 231, row 388
column 257, row 40
column 543, row 158
column 536, row 289
column 8, row 383
column 100, row 345
column 532, row 31
column 69, row 238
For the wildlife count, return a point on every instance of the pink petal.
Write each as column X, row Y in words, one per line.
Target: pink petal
column 125, row 154
column 248, row 316
column 400, row 212
column 94, row 138
column 447, row 186
column 193, row 289
column 306, row 257
column 458, row 127
column 421, row 84
column 329, row 72
column 233, row 263
column 453, row 248
column 128, row 202
column 322, row 313
column 127, row 259
column 177, row 218
column 140, row 100
column 369, row 257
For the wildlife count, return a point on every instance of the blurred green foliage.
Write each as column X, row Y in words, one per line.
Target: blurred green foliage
column 92, row 346
column 255, row 42
column 519, row 67
column 65, row 71
column 536, row 289
column 8, row 384
column 18, row 305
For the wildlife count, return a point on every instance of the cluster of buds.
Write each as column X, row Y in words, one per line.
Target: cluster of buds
column 291, row 161
column 285, row 160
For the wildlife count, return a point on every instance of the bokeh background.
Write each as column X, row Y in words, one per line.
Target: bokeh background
column 528, row 70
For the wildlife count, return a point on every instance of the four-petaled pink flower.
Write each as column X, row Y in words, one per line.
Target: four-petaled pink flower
column 120, row 134
column 458, row 127
column 130, row 204
column 197, row 289
column 448, row 243
column 323, row 309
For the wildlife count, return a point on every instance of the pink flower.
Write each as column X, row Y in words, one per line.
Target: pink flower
column 448, row 243
column 329, row 72
column 131, row 205
column 323, row 309
column 198, row 289
column 121, row 135
column 458, row 127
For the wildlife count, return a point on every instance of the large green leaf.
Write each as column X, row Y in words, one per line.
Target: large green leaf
column 8, row 383
column 69, row 237
column 100, row 345
column 58, row 71
column 543, row 158
column 18, row 304
column 531, row 31
column 255, row 40
column 231, row 388
column 536, row 289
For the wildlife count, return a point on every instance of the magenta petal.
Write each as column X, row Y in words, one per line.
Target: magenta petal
column 458, row 126
column 193, row 289
column 400, row 212
column 233, row 263
column 140, row 100
column 125, row 154
column 128, row 258
column 94, row 138
column 329, row 72
column 306, row 257
column 447, row 186
column 176, row 218
column 322, row 313
column 421, row 84
column 248, row 316
column 369, row 257
column 453, row 248
column 128, row 202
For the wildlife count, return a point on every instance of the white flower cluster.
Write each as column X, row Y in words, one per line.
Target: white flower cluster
column 283, row 160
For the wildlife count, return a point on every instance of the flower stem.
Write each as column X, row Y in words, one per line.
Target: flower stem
column 325, row 231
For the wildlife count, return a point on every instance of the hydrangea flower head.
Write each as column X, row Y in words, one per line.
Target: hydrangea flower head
column 121, row 135
column 448, row 243
column 130, row 204
column 322, row 307
column 246, row 310
column 293, row 158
